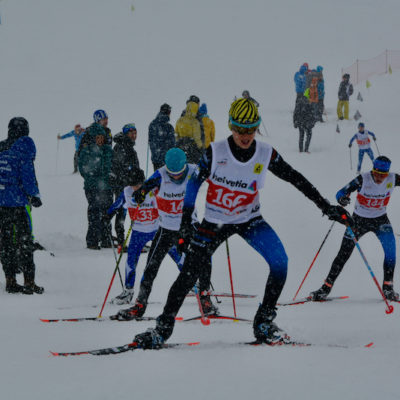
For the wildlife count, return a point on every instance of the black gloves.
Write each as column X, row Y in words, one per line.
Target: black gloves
column 35, row 201
column 350, row 145
column 339, row 214
column 139, row 196
column 186, row 231
column 344, row 201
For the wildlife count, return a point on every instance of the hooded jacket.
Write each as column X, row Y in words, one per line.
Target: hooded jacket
column 188, row 125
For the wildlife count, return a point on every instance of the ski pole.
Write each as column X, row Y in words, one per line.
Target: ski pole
column 115, row 269
column 351, row 163
column 204, row 320
column 377, row 148
column 216, row 297
column 147, row 160
column 58, row 143
column 309, row 268
column 230, row 276
column 116, row 260
column 389, row 309
column 265, row 129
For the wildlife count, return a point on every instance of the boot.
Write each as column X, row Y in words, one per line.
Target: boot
column 31, row 287
column 134, row 312
column 389, row 292
column 124, row 298
column 266, row 331
column 154, row 338
column 322, row 293
column 208, row 307
column 12, row 286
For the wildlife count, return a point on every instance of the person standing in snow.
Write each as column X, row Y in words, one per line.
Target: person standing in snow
column 123, row 161
column 169, row 183
column 144, row 219
column 321, row 94
column 300, row 82
column 303, row 118
column 208, row 125
column 18, row 189
column 344, row 93
column 235, row 169
column 161, row 136
column 94, row 163
column 77, row 133
column 364, row 145
column 374, row 190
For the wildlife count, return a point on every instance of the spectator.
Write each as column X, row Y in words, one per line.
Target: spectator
column 300, row 82
column 303, row 118
column 124, row 160
column 208, row 125
column 312, row 93
column 18, row 188
column 95, row 166
column 246, row 95
column 161, row 136
column 189, row 132
column 345, row 91
column 77, row 133
column 321, row 94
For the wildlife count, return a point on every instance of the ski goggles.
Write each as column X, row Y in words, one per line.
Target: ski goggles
column 381, row 173
column 244, row 129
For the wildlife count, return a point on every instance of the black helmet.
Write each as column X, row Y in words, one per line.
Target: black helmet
column 165, row 109
column 194, row 99
column 18, row 127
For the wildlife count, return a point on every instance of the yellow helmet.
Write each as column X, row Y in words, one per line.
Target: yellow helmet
column 244, row 114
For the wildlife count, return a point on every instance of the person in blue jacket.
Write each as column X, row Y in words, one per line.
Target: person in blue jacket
column 364, row 144
column 300, row 82
column 161, row 136
column 77, row 133
column 18, row 188
column 321, row 94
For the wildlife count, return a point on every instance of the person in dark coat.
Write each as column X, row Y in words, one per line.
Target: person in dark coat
column 304, row 119
column 18, row 190
column 95, row 166
column 124, row 160
column 161, row 136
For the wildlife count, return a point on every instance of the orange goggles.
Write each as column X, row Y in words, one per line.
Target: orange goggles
column 380, row 172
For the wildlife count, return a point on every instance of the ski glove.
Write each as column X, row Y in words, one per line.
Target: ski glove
column 339, row 214
column 139, row 196
column 344, row 201
column 350, row 145
column 186, row 230
column 35, row 201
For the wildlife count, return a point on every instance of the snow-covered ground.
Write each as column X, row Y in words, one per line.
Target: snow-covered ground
column 61, row 60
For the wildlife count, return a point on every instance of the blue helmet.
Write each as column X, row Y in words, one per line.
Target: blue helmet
column 382, row 164
column 319, row 68
column 175, row 161
column 99, row 115
column 128, row 127
column 361, row 125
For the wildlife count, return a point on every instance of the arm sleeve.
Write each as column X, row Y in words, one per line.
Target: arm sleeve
column 153, row 182
column 372, row 134
column 354, row 185
column 117, row 204
column 352, row 139
column 67, row 135
column 397, row 180
column 284, row 171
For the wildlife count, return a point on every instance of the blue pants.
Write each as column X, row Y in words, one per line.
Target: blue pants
column 361, row 156
column 136, row 244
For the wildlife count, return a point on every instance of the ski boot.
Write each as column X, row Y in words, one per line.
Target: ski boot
column 134, row 312
column 30, row 287
column 12, row 286
column 389, row 292
column 266, row 331
column 154, row 338
column 322, row 293
column 124, row 298
column 209, row 308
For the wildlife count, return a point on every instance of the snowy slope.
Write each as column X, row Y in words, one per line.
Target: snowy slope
column 61, row 60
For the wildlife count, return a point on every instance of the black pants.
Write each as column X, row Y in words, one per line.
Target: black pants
column 188, row 145
column 382, row 228
column 16, row 244
column 99, row 229
column 308, row 134
column 120, row 220
column 161, row 244
column 76, row 162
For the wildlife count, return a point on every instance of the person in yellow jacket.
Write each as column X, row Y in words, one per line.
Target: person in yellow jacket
column 208, row 125
column 189, row 133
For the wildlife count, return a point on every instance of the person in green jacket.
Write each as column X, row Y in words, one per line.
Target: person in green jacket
column 95, row 165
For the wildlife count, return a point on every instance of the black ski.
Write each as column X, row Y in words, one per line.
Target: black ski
column 100, row 319
column 119, row 349
column 219, row 294
column 308, row 300
column 218, row 317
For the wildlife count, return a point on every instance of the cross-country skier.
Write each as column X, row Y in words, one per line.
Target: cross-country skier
column 374, row 190
column 363, row 144
column 169, row 183
column 145, row 224
column 235, row 169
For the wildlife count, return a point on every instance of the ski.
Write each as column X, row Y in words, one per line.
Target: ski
column 291, row 343
column 308, row 300
column 217, row 317
column 217, row 294
column 100, row 319
column 119, row 349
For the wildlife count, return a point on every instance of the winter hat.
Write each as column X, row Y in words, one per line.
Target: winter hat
column 382, row 164
column 194, row 99
column 346, row 76
column 128, row 127
column 136, row 176
column 98, row 115
column 361, row 125
column 319, row 68
column 96, row 130
column 244, row 113
column 305, row 65
column 203, row 109
column 246, row 94
column 18, row 127
column 165, row 109
column 175, row 161
column 303, row 69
